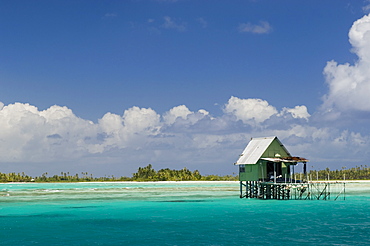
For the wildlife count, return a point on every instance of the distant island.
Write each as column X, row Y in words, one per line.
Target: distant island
column 149, row 174
column 143, row 174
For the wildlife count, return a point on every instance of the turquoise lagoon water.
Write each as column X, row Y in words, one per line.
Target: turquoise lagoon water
column 178, row 213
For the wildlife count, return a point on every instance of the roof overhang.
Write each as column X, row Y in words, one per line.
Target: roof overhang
column 293, row 159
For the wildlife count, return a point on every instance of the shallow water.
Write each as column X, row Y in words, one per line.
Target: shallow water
column 194, row 213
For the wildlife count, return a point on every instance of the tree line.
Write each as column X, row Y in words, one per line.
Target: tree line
column 143, row 174
column 355, row 173
column 149, row 174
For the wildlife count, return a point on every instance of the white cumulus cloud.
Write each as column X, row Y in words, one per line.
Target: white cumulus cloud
column 137, row 120
column 249, row 111
column 177, row 112
column 33, row 135
column 298, row 112
column 349, row 85
column 111, row 123
column 182, row 115
column 177, row 138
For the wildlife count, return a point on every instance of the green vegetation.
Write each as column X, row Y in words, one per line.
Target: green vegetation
column 63, row 177
column 143, row 174
column 149, row 174
column 355, row 173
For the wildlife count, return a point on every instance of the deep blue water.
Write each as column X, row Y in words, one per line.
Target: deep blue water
column 175, row 214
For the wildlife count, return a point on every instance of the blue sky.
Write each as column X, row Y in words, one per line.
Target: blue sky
column 107, row 86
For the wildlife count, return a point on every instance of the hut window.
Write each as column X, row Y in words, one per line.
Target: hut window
column 242, row 168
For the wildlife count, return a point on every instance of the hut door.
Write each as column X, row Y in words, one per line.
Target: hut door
column 270, row 169
column 278, row 169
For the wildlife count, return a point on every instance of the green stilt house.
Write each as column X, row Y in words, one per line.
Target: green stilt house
column 266, row 159
column 266, row 171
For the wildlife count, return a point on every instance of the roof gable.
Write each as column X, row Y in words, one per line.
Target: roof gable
column 262, row 147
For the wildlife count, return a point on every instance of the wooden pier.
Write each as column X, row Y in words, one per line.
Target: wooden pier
column 312, row 190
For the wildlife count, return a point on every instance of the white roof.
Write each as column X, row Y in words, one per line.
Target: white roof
column 254, row 150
